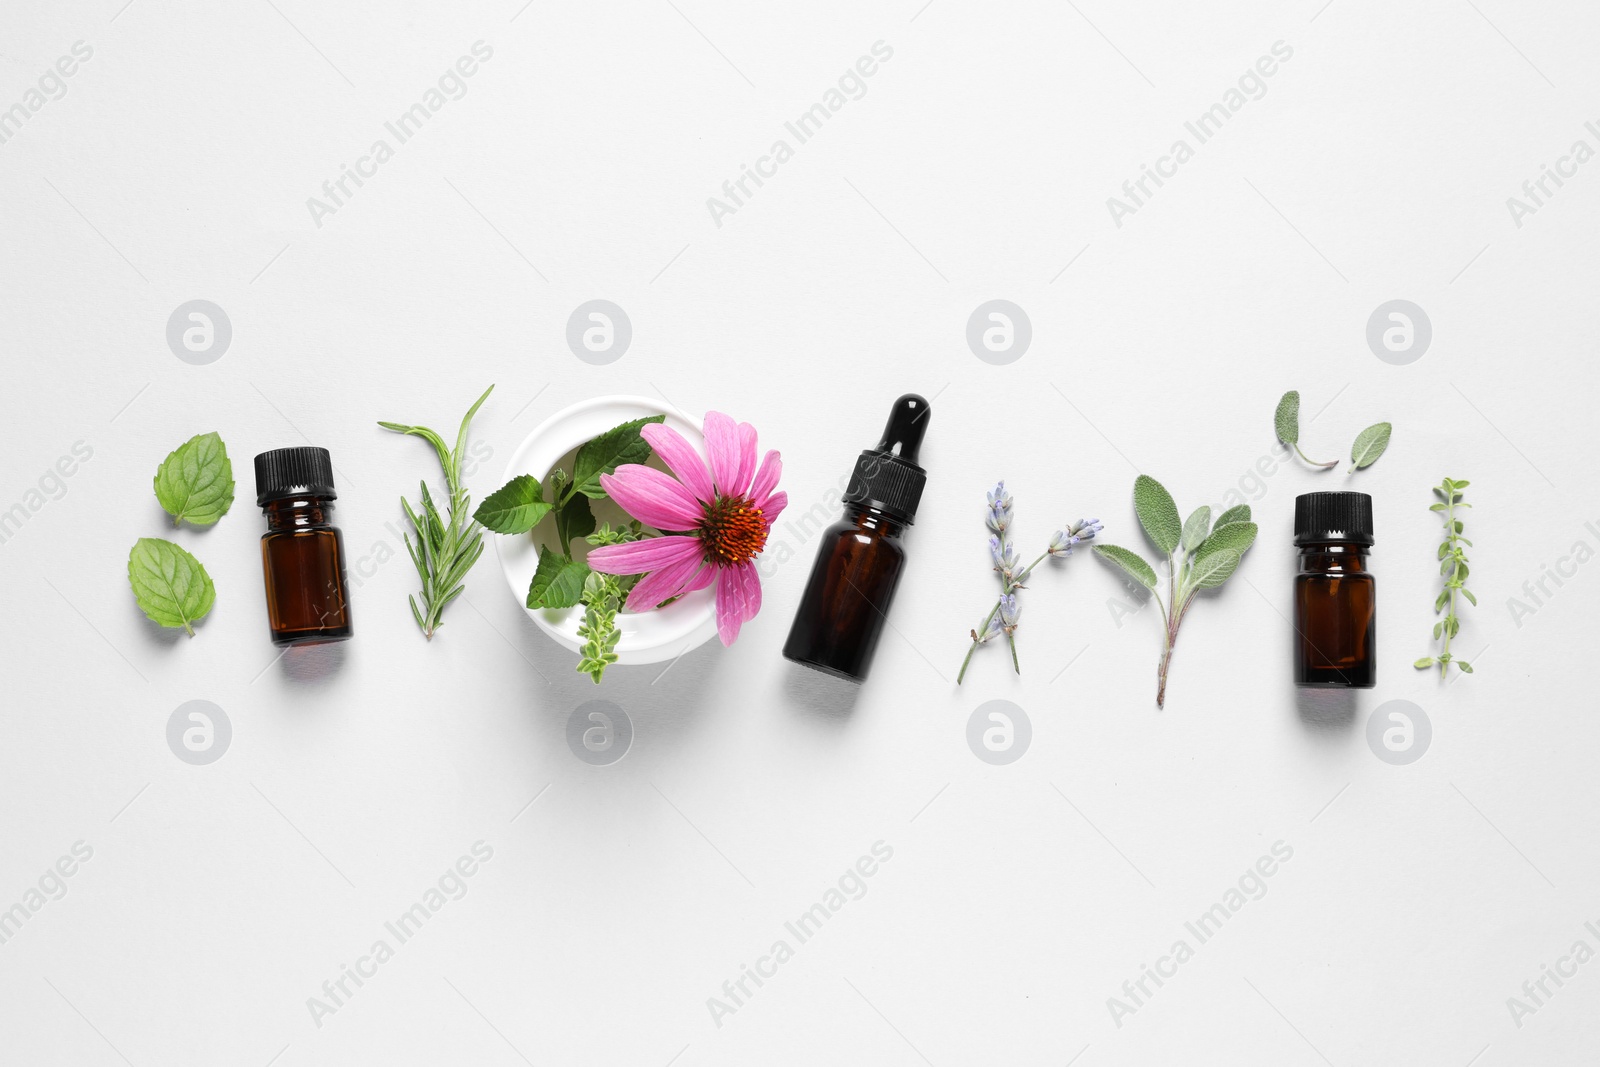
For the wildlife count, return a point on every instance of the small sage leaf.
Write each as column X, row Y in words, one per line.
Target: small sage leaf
column 1157, row 513
column 1369, row 445
column 1213, row 569
column 1131, row 562
column 515, row 507
column 1196, row 528
column 195, row 482
column 1287, row 418
column 1238, row 513
column 1236, row 537
column 171, row 586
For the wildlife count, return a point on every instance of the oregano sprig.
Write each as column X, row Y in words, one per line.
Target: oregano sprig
column 1198, row 556
column 1453, row 566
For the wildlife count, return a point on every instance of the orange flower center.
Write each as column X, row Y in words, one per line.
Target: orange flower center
column 732, row 531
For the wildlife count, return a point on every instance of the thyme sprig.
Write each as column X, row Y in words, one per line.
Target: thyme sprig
column 1453, row 566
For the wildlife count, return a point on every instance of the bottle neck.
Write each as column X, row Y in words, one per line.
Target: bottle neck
column 870, row 520
column 298, row 513
column 1343, row 556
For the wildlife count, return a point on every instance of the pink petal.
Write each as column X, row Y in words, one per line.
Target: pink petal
column 642, row 557
column 766, row 479
column 706, row 576
column 680, row 457
column 774, row 507
column 722, row 444
column 664, row 583
column 747, row 458
column 730, row 604
column 653, row 498
column 752, row 591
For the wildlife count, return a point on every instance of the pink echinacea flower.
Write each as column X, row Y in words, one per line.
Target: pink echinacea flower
column 725, row 514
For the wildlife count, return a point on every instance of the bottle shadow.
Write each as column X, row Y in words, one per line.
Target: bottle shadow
column 1326, row 710
column 311, row 664
column 822, row 695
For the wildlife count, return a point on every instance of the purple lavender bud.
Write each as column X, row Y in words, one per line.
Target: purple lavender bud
column 998, row 516
column 991, row 631
column 1010, row 612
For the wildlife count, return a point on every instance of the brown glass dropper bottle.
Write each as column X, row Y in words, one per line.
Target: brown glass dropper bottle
column 860, row 559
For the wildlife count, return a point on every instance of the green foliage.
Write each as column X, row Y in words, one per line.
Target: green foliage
column 604, row 454
column 1369, row 445
column 1453, row 567
column 445, row 548
column 1157, row 513
column 558, row 581
column 1195, row 560
column 515, row 507
column 171, row 586
column 194, row 483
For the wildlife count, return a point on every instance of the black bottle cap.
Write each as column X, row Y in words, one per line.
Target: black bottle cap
column 294, row 472
column 887, row 477
column 1333, row 517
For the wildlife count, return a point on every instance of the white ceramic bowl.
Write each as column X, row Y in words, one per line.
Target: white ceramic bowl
column 647, row 637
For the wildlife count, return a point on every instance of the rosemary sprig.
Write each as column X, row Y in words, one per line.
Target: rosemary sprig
column 1453, row 566
column 445, row 549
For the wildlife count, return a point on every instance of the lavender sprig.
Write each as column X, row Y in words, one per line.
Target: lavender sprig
column 1004, row 617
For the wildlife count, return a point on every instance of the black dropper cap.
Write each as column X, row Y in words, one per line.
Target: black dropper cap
column 294, row 472
column 1333, row 517
column 887, row 478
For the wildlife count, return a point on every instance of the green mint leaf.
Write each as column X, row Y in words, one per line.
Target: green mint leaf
column 1195, row 530
column 1287, row 418
column 515, row 507
column 1214, row 568
column 1369, row 445
column 195, row 482
column 1236, row 537
column 1130, row 562
column 574, row 519
column 602, row 455
column 558, row 583
column 171, row 586
column 1157, row 513
column 1239, row 513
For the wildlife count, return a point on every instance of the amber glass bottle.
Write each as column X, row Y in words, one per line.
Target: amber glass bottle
column 860, row 559
column 1335, row 596
column 302, row 552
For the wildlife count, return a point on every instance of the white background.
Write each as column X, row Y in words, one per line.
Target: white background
column 976, row 166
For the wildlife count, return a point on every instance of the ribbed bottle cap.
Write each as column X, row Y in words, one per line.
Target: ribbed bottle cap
column 291, row 472
column 1333, row 517
column 888, row 478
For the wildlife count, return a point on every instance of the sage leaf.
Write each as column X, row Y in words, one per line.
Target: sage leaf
column 195, row 482
column 1196, row 528
column 171, row 586
column 1238, row 513
column 1213, row 569
column 1287, row 418
column 1236, row 537
column 1157, row 513
column 558, row 582
column 603, row 454
column 1130, row 562
column 1369, row 445
column 515, row 507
